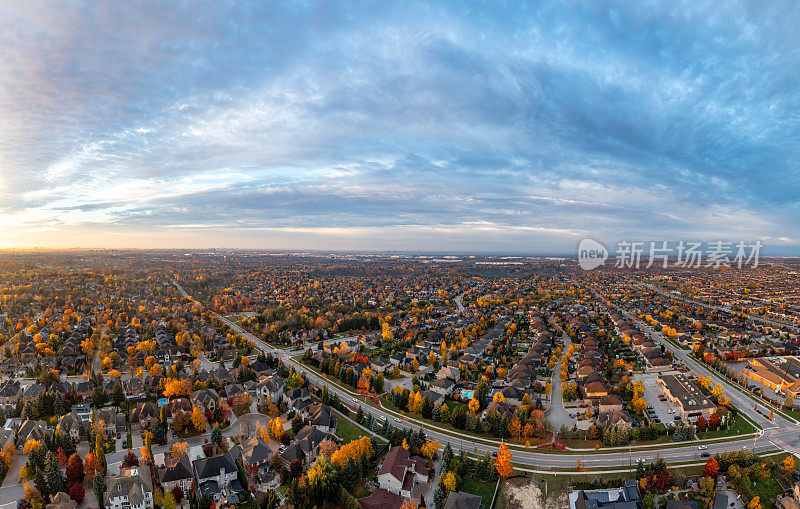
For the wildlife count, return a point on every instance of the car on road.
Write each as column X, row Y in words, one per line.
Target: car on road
column 702, row 447
column 355, row 400
column 396, row 419
column 383, row 417
column 705, row 455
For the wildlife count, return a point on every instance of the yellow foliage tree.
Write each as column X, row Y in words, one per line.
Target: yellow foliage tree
column 474, row 405
column 275, row 428
column 177, row 388
column 198, row 419
column 503, row 461
column 429, row 449
column 179, row 448
column 449, row 481
column 30, row 445
column 355, row 449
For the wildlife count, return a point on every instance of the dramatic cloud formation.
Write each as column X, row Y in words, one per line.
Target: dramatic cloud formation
column 418, row 126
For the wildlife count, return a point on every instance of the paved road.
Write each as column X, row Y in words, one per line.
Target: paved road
column 459, row 306
column 557, row 414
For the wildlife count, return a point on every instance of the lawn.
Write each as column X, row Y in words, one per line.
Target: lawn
column 767, row 491
column 346, row 430
column 740, row 426
column 484, row 489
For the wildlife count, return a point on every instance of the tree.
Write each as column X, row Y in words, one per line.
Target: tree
column 711, row 468
column 327, row 447
column 409, row 503
column 503, row 461
column 130, row 460
column 198, row 419
column 450, row 481
column 755, row 503
column 177, row 494
column 515, row 427
column 474, row 405
column 178, row 448
column 74, row 472
column 297, row 423
column 91, row 465
column 429, row 449
column 77, row 492
column 168, row 502
column 714, row 420
column 216, row 438
column 789, row 463
column 99, row 486
column 275, row 428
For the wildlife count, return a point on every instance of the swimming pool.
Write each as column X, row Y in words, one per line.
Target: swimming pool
column 466, row 394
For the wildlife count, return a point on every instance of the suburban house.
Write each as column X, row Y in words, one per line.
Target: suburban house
column 255, row 453
column 131, row 489
column 176, row 472
column 61, row 501
column 322, row 418
column 71, row 425
column 400, row 472
column 451, row 372
column 610, row 403
column 216, row 477
column 443, row 386
column 146, row 414
column 461, row 500
column 381, row 499
column 207, row 399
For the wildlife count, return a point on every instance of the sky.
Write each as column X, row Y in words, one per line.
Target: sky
column 422, row 126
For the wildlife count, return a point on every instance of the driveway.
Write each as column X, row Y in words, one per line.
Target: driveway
column 12, row 477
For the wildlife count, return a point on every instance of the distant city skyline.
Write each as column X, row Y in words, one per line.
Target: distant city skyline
column 415, row 127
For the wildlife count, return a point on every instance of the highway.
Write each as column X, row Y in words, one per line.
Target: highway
column 786, row 437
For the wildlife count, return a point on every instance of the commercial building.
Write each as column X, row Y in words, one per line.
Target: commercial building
column 689, row 400
column 781, row 374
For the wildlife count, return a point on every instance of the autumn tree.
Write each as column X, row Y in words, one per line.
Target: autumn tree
column 503, row 461
column 198, row 419
column 450, row 481
column 179, row 448
column 74, row 472
column 711, row 468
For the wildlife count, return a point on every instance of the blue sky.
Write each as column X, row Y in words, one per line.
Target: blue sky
column 518, row 127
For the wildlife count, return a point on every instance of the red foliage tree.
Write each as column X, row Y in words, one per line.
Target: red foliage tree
column 701, row 423
column 77, row 492
column 130, row 460
column 714, row 420
column 75, row 473
column 177, row 494
column 711, row 468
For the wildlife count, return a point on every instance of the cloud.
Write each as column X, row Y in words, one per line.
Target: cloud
column 517, row 127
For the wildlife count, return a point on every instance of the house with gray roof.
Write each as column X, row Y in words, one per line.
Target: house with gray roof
column 131, row 489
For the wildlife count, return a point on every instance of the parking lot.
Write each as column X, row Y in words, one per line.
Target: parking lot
column 664, row 410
